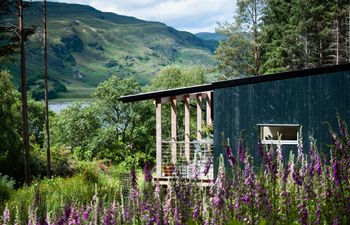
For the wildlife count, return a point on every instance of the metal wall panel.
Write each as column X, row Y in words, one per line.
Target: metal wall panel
column 309, row 101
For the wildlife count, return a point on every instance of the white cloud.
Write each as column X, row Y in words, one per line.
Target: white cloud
column 189, row 15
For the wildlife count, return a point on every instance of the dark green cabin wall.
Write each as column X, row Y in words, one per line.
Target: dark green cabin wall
column 309, row 101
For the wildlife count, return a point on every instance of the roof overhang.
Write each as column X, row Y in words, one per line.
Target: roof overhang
column 235, row 82
column 166, row 93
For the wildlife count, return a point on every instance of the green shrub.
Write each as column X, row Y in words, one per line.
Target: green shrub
column 6, row 187
column 89, row 171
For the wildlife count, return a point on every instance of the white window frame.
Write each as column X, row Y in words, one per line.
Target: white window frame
column 275, row 142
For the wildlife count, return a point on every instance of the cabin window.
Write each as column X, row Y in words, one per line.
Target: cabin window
column 269, row 133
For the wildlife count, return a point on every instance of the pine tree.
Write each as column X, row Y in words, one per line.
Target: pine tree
column 276, row 36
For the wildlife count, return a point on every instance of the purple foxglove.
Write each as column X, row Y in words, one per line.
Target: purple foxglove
column 6, row 215
column 336, row 221
column 318, row 165
column 196, row 213
column 337, row 142
column 279, row 153
column 286, row 172
column 86, row 213
column 341, row 126
column 249, row 178
column 318, row 213
column 303, row 214
column 241, row 152
column 147, row 172
column 296, row 176
column 231, row 159
column 207, row 166
column 336, row 172
column 133, row 177
column 261, row 150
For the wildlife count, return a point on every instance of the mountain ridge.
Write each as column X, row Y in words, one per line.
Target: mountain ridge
column 86, row 46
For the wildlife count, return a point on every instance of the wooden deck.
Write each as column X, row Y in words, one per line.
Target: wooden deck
column 165, row 181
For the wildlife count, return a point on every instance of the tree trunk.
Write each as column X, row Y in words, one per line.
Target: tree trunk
column 256, row 41
column 25, row 124
column 349, row 32
column 321, row 54
column 46, row 78
column 306, row 52
column 337, row 36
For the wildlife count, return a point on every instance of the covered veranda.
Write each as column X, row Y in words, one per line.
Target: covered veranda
column 189, row 151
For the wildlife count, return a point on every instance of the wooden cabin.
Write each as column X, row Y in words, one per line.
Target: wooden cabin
column 257, row 108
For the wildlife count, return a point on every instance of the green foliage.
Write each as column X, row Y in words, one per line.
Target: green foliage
column 239, row 55
column 269, row 36
column 11, row 156
column 6, row 187
column 126, row 126
column 10, row 128
column 89, row 171
column 174, row 77
column 107, row 128
column 63, row 161
column 75, row 127
column 235, row 53
column 56, row 193
column 37, row 89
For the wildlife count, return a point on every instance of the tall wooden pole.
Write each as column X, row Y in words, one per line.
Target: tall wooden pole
column 159, row 137
column 25, row 133
column 173, row 129
column 199, row 117
column 187, row 127
column 46, row 78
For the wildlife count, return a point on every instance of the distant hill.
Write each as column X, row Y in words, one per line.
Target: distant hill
column 86, row 46
column 211, row 36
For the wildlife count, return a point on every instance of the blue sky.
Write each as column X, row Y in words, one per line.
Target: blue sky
column 189, row 15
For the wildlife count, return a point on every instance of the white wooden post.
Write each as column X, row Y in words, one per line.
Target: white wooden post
column 209, row 121
column 199, row 117
column 159, row 137
column 208, row 109
column 187, row 127
column 173, row 129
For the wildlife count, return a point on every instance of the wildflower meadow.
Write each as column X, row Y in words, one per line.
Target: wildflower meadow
column 307, row 188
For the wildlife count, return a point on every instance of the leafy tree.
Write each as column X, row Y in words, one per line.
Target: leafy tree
column 239, row 55
column 132, row 123
column 108, row 128
column 234, row 54
column 249, row 14
column 174, row 77
column 75, row 127
column 10, row 128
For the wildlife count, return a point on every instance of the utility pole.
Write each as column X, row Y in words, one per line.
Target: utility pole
column 25, row 124
column 46, row 78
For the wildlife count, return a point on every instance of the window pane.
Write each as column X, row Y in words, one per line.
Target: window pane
column 271, row 132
